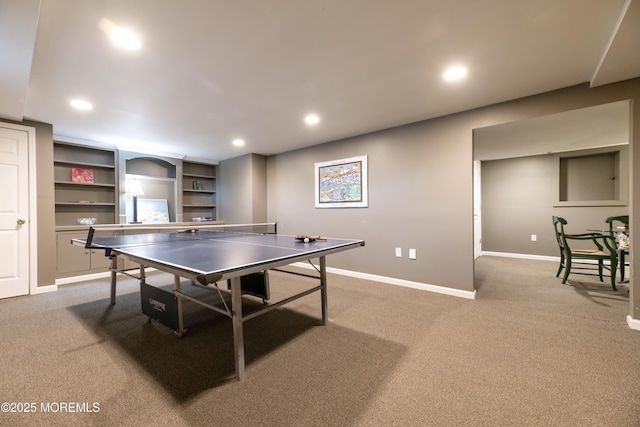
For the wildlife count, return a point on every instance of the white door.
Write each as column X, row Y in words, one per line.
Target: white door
column 14, row 212
column 477, row 219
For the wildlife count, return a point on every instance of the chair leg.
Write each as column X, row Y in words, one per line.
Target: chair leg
column 600, row 268
column 614, row 266
column 567, row 270
column 561, row 264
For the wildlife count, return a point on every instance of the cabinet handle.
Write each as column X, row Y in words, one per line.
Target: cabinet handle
column 21, row 221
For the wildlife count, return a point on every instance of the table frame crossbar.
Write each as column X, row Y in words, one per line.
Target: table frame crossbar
column 235, row 311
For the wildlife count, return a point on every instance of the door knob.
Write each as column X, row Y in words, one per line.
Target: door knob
column 21, row 221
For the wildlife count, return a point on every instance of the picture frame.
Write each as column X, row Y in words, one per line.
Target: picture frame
column 153, row 211
column 342, row 183
column 82, row 175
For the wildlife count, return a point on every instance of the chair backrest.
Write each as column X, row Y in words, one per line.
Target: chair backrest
column 558, row 226
column 615, row 222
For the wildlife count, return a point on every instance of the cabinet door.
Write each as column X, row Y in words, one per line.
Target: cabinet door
column 99, row 261
column 72, row 258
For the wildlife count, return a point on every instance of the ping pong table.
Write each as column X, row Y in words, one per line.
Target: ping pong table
column 207, row 256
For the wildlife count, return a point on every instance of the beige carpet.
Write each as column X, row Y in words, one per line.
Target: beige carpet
column 527, row 351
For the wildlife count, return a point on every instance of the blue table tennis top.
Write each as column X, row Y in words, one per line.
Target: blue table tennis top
column 213, row 255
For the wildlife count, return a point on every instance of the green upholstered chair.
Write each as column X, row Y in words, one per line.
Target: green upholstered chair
column 576, row 258
column 619, row 230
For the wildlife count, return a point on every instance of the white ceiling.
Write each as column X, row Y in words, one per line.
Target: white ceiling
column 210, row 71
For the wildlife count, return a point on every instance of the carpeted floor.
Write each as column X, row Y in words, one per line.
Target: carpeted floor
column 528, row 351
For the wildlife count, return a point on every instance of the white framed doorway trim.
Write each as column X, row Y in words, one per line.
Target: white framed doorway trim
column 32, row 209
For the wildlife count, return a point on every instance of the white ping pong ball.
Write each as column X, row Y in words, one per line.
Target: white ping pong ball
column 306, row 240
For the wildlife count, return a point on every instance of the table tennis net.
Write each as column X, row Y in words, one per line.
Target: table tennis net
column 259, row 228
column 191, row 231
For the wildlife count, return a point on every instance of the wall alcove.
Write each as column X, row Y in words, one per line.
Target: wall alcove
column 158, row 179
column 573, row 164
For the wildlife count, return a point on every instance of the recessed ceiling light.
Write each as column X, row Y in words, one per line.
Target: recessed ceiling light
column 126, row 39
column 454, row 73
column 238, row 142
column 122, row 37
column 312, row 119
column 81, row 104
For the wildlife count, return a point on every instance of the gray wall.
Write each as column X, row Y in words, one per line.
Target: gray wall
column 517, row 201
column 242, row 190
column 420, row 182
column 234, row 190
column 46, row 203
column 259, row 188
column 415, row 173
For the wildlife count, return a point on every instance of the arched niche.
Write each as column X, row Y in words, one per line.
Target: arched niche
column 158, row 178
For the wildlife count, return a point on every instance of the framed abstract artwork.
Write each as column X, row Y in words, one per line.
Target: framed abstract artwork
column 153, row 211
column 83, row 175
column 342, row 183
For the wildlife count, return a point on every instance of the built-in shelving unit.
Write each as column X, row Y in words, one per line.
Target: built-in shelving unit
column 85, row 184
column 198, row 191
column 90, row 182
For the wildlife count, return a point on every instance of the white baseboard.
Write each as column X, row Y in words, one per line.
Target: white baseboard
column 398, row 282
column 537, row 257
column 390, row 280
column 633, row 323
column 84, row 278
column 44, row 289
column 522, row 256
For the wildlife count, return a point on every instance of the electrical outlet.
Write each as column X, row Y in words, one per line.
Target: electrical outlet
column 399, row 252
column 412, row 254
column 534, row 238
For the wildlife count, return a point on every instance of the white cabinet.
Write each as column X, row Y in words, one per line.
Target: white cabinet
column 75, row 260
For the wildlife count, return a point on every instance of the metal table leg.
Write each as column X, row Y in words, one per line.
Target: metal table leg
column 236, row 319
column 178, row 287
column 114, row 271
column 323, row 290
